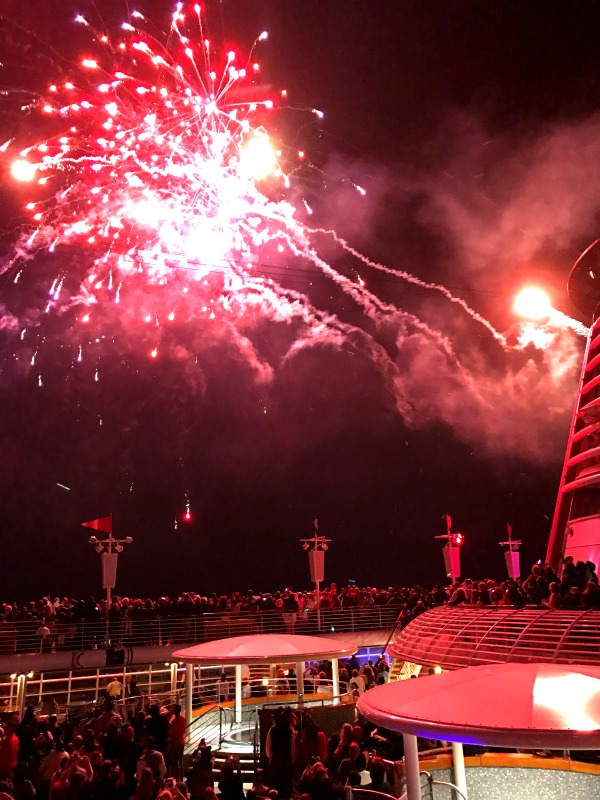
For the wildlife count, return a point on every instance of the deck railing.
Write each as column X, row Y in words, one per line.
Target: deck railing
column 35, row 636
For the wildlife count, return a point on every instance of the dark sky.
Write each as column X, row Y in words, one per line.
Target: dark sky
column 473, row 125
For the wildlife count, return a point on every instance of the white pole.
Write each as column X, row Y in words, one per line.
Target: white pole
column 335, row 676
column 411, row 767
column 318, row 600
column 21, row 694
column 300, row 682
column 174, row 679
column 108, row 590
column 458, row 760
column 189, row 691
column 238, row 694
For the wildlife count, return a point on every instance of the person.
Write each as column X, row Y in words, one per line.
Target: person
column 342, row 749
column 279, row 748
column 311, row 742
column 259, row 788
column 292, row 680
column 357, row 683
column 290, row 611
column 152, row 759
column 114, row 689
column 316, row 784
column 231, row 783
column 157, row 726
column 222, row 689
column 355, row 762
column 9, row 750
column 379, row 781
column 281, row 684
column 200, row 777
column 146, row 787
column 177, row 726
column 325, row 686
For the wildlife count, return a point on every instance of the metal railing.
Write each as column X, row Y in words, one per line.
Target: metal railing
column 462, row 636
column 57, row 634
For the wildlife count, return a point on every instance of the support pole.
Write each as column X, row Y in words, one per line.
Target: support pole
column 318, row 602
column 174, row 679
column 300, row 682
column 21, row 694
column 411, row 767
column 189, row 691
column 458, row 760
column 238, row 694
column 335, row 676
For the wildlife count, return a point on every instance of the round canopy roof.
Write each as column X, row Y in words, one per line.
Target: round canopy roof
column 453, row 637
column 268, row 647
column 501, row 705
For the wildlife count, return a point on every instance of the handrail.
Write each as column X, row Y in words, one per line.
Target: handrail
column 434, row 782
column 80, row 634
column 350, row 791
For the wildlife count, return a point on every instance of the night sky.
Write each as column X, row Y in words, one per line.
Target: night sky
column 473, row 126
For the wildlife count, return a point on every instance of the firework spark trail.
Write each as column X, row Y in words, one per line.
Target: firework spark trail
column 564, row 321
column 371, row 304
column 407, row 276
column 159, row 156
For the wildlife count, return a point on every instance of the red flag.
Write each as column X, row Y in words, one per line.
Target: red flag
column 104, row 524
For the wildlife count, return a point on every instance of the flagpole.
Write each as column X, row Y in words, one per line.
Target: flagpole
column 317, row 566
column 109, row 550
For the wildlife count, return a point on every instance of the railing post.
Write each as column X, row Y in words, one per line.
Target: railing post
column 411, row 767
column 335, row 675
column 458, row 760
column 189, row 691
column 300, row 666
column 238, row 694
column 21, row 694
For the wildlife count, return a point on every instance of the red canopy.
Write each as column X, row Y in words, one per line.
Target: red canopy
column 268, row 647
column 503, row 705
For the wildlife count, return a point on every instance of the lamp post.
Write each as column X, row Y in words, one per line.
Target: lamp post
column 109, row 549
column 511, row 553
column 451, row 549
column 316, row 547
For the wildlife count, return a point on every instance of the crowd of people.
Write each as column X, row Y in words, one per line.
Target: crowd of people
column 54, row 622
column 134, row 751
column 300, row 761
column 103, row 756
column 127, row 753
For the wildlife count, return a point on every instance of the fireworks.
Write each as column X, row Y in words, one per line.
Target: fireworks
column 160, row 174
column 160, row 168
column 161, row 194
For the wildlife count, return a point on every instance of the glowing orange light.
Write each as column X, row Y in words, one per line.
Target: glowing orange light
column 533, row 303
column 257, row 159
column 23, row 170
